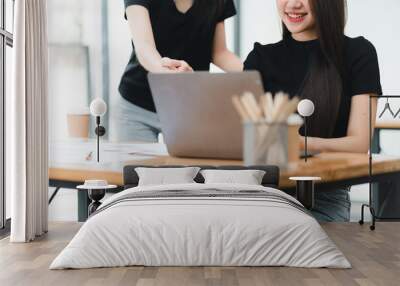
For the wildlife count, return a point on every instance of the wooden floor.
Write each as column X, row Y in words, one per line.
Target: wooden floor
column 375, row 257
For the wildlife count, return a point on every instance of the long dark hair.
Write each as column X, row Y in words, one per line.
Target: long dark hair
column 324, row 83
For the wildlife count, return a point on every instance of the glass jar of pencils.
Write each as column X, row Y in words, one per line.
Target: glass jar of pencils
column 266, row 143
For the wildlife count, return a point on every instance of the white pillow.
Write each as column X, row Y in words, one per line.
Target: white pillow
column 166, row 176
column 246, row 177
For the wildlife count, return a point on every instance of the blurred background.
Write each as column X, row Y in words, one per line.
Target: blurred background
column 89, row 46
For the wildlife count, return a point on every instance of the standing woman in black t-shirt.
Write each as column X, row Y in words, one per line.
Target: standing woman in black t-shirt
column 315, row 60
column 167, row 36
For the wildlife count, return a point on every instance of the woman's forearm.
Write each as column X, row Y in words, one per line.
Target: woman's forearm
column 221, row 56
column 353, row 144
column 228, row 61
column 358, row 134
column 143, row 38
column 150, row 58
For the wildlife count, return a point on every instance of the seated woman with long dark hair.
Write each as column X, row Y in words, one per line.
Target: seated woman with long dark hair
column 315, row 60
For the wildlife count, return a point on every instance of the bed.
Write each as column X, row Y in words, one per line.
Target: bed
column 200, row 224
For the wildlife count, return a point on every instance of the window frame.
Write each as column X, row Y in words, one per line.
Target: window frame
column 6, row 39
column 237, row 28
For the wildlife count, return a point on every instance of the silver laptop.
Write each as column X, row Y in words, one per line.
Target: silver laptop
column 197, row 116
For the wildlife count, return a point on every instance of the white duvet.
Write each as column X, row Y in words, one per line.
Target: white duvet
column 200, row 232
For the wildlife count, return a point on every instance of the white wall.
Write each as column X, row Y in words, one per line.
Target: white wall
column 260, row 23
column 376, row 21
column 119, row 45
column 74, row 29
column 120, row 48
column 91, row 37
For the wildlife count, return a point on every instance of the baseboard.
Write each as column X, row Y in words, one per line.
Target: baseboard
column 4, row 232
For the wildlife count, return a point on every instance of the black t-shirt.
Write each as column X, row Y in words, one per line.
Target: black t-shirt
column 284, row 67
column 181, row 36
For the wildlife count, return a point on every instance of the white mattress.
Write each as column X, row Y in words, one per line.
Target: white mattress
column 200, row 232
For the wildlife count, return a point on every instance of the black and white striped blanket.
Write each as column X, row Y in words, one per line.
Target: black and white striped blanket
column 204, row 194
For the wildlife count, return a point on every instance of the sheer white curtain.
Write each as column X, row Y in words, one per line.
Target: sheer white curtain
column 27, row 120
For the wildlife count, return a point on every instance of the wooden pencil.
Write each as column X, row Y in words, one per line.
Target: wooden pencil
column 240, row 108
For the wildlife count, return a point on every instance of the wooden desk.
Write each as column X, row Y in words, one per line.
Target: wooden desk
column 336, row 170
column 390, row 125
column 331, row 167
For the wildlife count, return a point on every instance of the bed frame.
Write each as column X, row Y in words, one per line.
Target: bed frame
column 271, row 178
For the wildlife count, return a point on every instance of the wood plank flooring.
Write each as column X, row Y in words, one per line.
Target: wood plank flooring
column 375, row 257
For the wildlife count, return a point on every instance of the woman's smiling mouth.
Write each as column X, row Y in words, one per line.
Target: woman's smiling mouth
column 296, row 17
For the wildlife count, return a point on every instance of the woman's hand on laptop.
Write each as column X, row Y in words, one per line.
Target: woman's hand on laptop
column 176, row 65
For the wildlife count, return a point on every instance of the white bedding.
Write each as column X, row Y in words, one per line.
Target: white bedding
column 200, row 232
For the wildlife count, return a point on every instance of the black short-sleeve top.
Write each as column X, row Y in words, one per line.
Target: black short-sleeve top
column 284, row 67
column 183, row 36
